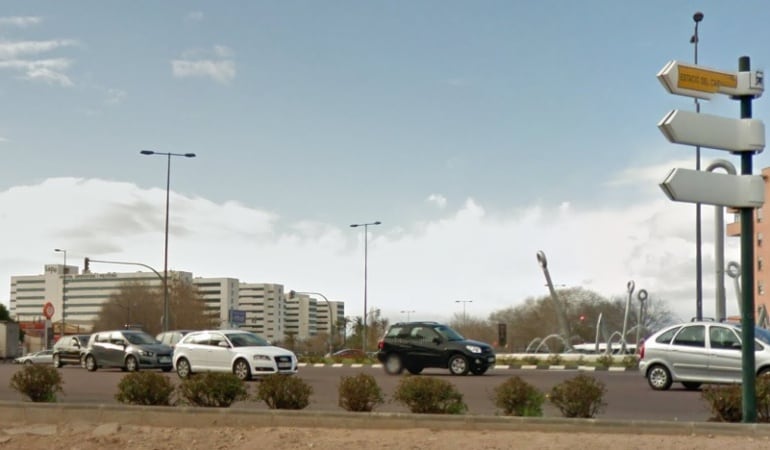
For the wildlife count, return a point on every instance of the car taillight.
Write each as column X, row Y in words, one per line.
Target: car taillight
column 380, row 344
column 641, row 350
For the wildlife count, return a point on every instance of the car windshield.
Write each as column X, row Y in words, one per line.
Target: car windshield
column 246, row 340
column 760, row 334
column 140, row 338
column 448, row 333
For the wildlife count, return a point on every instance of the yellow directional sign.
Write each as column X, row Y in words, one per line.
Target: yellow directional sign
column 701, row 82
column 704, row 80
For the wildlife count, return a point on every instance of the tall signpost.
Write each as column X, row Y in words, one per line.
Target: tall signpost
column 744, row 136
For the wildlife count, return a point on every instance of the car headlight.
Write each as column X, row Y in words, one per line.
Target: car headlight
column 473, row 348
column 261, row 358
column 146, row 353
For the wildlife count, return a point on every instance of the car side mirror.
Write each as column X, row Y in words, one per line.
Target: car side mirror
column 223, row 344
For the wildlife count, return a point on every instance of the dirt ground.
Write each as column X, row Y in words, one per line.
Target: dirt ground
column 86, row 436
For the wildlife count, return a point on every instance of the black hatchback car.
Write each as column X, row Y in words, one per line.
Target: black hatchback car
column 69, row 349
column 415, row 346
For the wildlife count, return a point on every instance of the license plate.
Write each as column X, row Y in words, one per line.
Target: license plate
column 283, row 365
column 164, row 359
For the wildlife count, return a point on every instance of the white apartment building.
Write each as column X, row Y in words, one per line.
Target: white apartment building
column 268, row 311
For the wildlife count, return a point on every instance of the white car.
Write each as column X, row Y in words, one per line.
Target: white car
column 241, row 352
column 41, row 357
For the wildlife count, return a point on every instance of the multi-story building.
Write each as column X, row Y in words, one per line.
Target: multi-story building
column 761, row 248
column 268, row 311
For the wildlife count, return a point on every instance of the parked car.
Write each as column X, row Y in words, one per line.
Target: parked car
column 70, row 350
column 41, row 357
column 694, row 353
column 171, row 337
column 241, row 352
column 415, row 346
column 130, row 350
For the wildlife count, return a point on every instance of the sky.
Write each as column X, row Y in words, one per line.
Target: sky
column 477, row 133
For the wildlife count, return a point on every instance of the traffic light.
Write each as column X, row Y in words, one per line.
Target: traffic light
column 86, row 261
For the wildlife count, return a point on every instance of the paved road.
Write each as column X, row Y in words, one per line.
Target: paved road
column 628, row 395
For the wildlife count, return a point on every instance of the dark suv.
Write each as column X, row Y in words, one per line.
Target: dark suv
column 415, row 346
column 70, row 349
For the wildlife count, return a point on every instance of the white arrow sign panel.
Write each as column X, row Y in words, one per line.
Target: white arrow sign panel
column 721, row 189
column 705, row 130
column 702, row 82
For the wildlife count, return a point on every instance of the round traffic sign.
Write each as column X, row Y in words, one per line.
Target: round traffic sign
column 48, row 310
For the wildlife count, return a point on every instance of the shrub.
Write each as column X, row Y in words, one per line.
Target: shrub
column 516, row 397
column 359, row 393
column 554, row 359
column 725, row 402
column 604, row 360
column 145, row 388
column 284, row 392
column 428, row 395
column 581, row 396
column 532, row 360
column 630, row 361
column 38, row 382
column 763, row 398
column 212, row 389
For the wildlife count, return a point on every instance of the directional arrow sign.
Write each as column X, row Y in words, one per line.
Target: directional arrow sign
column 735, row 135
column 701, row 82
column 721, row 189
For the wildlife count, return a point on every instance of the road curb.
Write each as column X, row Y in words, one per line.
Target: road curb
column 189, row 417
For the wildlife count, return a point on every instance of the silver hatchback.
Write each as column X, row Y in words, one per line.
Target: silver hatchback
column 694, row 353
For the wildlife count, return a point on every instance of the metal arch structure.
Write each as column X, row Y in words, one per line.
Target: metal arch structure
column 719, row 244
column 561, row 317
column 734, row 272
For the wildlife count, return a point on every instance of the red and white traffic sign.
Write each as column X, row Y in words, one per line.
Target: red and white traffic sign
column 48, row 310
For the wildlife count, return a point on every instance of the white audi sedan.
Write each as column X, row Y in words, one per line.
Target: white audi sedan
column 241, row 352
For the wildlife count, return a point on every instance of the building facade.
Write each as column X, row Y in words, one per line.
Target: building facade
column 78, row 298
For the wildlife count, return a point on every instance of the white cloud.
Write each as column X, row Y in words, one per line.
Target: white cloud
column 469, row 253
column 20, row 21
column 215, row 64
column 49, row 70
column 438, row 200
column 115, row 96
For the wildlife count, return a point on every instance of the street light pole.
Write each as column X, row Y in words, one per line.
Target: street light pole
column 697, row 18
column 328, row 306
column 366, row 257
column 165, row 247
column 63, row 329
column 464, row 302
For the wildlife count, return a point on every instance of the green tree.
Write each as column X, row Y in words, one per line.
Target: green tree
column 4, row 313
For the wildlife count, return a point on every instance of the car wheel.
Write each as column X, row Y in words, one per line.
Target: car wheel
column 56, row 361
column 458, row 365
column 690, row 385
column 479, row 370
column 27, row 363
column 183, row 368
column 764, row 372
column 659, row 378
column 82, row 361
column 90, row 363
column 414, row 370
column 131, row 364
column 242, row 370
column 393, row 365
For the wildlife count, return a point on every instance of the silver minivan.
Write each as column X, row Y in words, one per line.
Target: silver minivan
column 129, row 350
column 694, row 353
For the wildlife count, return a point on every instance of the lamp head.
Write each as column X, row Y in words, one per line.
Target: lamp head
column 147, row 152
column 189, row 155
column 377, row 223
column 697, row 17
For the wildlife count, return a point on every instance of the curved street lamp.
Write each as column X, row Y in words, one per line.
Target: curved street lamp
column 63, row 293
column 294, row 293
column 165, row 252
column 366, row 257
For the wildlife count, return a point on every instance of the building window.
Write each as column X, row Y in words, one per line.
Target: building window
column 759, row 264
column 759, row 215
column 759, row 239
column 761, row 288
